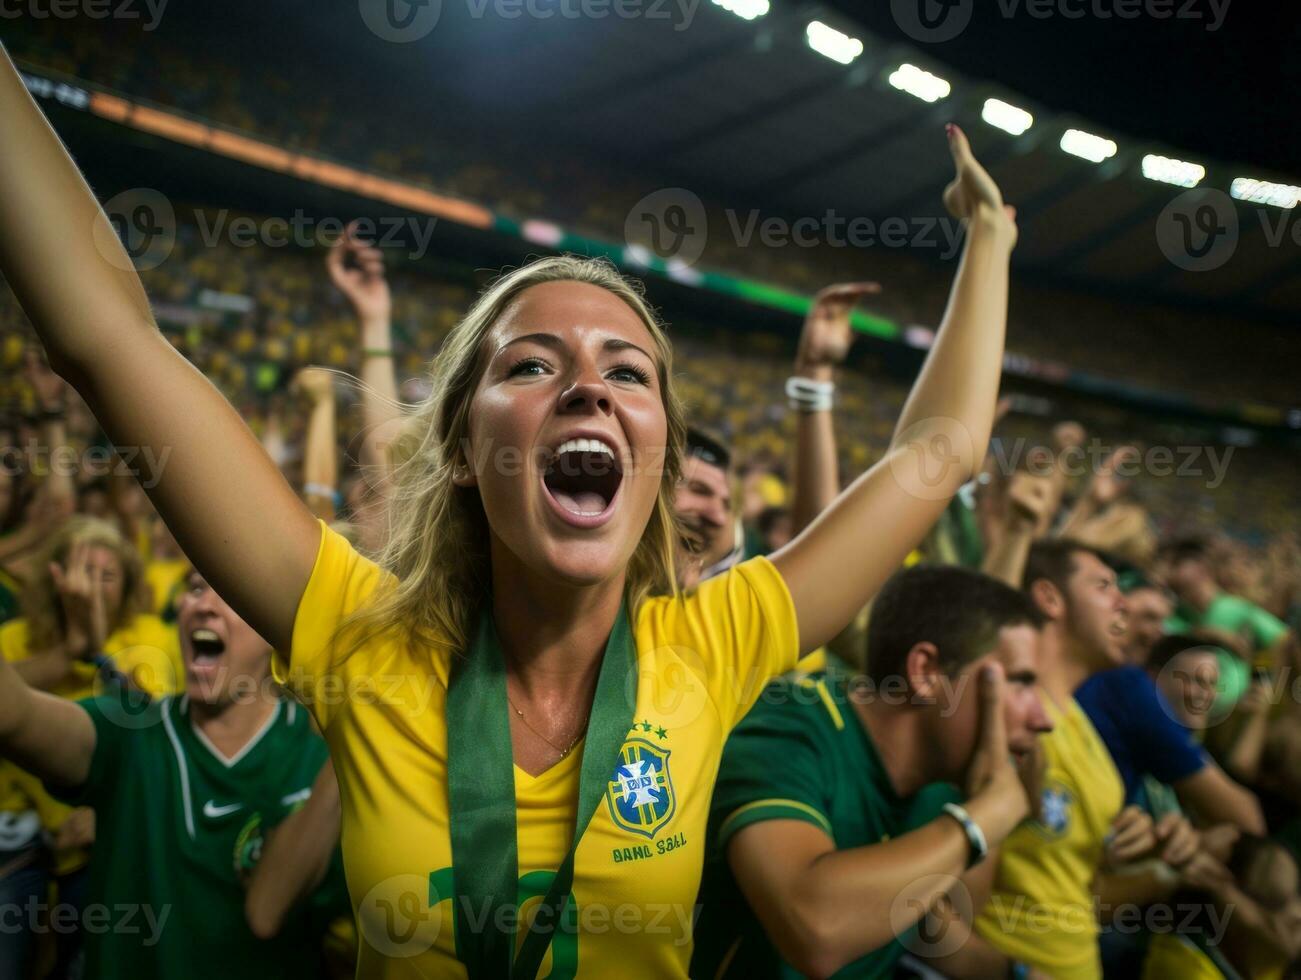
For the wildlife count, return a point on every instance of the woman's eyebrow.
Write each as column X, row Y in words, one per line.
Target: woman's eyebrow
column 555, row 343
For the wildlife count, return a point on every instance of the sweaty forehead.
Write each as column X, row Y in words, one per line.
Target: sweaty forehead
column 576, row 312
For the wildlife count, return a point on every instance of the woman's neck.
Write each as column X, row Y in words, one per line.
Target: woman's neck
column 552, row 634
column 230, row 726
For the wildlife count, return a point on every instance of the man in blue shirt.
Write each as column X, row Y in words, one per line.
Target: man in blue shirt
column 1147, row 736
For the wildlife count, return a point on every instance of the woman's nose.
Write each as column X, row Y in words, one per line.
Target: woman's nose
column 586, row 394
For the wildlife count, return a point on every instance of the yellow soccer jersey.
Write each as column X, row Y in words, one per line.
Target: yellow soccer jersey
column 146, row 649
column 703, row 661
column 1041, row 910
column 165, row 577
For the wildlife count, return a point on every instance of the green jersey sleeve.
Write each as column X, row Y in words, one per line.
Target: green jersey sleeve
column 115, row 717
column 772, row 768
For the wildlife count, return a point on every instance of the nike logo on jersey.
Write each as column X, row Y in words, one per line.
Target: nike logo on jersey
column 298, row 797
column 211, row 810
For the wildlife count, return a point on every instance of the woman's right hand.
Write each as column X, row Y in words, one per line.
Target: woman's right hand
column 357, row 270
column 81, row 593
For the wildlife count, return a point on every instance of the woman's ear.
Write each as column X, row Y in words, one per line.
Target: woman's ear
column 463, row 476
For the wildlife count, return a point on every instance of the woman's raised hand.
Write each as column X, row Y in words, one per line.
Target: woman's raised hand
column 357, row 270
column 973, row 194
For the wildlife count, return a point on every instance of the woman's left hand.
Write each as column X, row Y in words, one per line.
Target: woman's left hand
column 973, row 195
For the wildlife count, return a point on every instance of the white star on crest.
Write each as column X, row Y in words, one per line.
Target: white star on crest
column 638, row 783
column 1055, row 804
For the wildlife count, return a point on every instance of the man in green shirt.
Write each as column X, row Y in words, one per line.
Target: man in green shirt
column 184, row 789
column 1235, row 622
column 829, row 836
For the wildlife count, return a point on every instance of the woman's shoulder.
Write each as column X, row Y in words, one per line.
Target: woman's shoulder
column 756, row 578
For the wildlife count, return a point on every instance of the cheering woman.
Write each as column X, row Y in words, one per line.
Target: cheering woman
column 514, row 724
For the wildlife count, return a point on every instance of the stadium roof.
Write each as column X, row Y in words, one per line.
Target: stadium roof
column 747, row 113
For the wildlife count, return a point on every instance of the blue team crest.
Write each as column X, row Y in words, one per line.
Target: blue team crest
column 640, row 794
column 1055, row 809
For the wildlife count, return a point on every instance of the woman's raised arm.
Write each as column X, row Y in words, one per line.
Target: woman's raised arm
column 841, row 560
column 229, row 507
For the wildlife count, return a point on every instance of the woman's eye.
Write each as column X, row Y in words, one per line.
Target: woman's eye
column 630, row 373
column 528, row 368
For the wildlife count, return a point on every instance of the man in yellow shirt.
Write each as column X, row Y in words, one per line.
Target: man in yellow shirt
column 1043, row 909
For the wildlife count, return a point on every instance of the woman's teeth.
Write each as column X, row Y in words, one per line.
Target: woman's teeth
column 584, row 446
column 206, row 643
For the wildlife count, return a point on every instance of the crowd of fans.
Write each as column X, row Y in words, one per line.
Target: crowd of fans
column 287, row 317
column 1098, row 655
column 282, row 102
column 1180, row 670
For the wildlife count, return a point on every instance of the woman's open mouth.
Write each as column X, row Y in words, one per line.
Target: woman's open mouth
column 206, row 649
column 582, row 481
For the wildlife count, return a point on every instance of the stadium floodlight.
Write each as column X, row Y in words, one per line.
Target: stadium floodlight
column 832, row 43
column 1087, row 146
column 1006, row 117
column 1265, row 192
column 1181, row 173
column 745, row 9
column 917, row 82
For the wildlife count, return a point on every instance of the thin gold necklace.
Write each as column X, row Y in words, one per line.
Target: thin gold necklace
column 563, row 752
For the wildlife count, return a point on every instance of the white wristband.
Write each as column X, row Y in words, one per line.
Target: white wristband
column 806, row 395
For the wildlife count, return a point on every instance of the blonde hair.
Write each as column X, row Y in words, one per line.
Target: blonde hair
column 437, row 548
column 41, row 605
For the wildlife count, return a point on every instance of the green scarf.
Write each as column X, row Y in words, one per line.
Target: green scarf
column 481, row 790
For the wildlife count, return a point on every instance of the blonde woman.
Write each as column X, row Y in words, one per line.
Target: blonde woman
column 513, row 723
column 86, row 609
